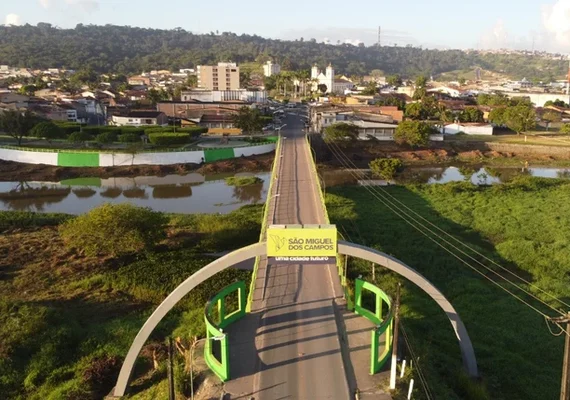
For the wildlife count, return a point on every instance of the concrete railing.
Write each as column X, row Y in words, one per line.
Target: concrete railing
column 264, row 219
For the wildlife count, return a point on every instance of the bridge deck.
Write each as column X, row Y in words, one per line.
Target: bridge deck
column 296, row 351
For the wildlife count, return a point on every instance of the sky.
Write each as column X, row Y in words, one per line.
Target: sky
column 482, row 24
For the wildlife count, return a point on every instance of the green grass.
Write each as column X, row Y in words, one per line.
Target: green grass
column 243, row 180
column 523, row 226
column 61, row 311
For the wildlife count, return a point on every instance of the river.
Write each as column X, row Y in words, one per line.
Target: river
column 188, row 194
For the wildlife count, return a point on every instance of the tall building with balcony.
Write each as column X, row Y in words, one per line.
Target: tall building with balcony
column 224, row 76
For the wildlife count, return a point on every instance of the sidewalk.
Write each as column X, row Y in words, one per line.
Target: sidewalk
column 355, row 331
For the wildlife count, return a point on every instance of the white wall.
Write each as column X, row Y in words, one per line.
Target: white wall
column 29, row 157
column 182, row 157
column 249, row 151
column 454, row 129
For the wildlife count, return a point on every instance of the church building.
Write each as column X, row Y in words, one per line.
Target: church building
column 335, row 86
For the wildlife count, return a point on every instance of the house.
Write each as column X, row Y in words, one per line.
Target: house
column 445, row 90
column 20, row 100
column 471, row 128
column 377, row 130
column 138, row 118
column 139, row 81
column 219, row 124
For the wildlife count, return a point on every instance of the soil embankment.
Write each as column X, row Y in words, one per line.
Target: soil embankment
column 13, row 171
column 359, row 154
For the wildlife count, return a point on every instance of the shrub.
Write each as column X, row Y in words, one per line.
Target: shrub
column 106, row 137
column 168, row 138
column 99, row 376
column 129, row 138
column 243, row 180
column 385, row 168
column 79, row 137
column 69, row 127
column 133, row 129
column 114, row 229
column 93, row 130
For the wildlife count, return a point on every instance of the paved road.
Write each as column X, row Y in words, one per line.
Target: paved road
column 297, row 350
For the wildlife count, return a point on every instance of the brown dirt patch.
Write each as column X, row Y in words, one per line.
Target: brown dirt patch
column 13, row 171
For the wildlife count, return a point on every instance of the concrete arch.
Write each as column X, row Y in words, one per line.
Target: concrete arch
column 260, row 249
column 375, row 256
column 177, row 294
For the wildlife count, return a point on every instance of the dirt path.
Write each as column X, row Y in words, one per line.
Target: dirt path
column 13, row 171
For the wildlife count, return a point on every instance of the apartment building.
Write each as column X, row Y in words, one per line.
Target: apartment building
column 224, row 76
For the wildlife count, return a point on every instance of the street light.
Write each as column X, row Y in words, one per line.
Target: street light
column 217, row 339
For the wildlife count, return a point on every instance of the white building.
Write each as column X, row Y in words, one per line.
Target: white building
column 210, row 96
column 270, row 69
column 446, row 90
column 471, row 128
column 336, row 86
column 140, row 118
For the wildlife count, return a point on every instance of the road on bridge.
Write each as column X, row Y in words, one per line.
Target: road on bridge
column 288, row 347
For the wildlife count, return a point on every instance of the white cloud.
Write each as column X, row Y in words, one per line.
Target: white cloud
column 84, row 5
column 497, row 37
column 12, row 19
column 556, row 21
column 46, row 3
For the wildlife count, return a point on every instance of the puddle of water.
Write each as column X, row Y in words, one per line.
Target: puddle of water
column 434, row 175
column 188, row 194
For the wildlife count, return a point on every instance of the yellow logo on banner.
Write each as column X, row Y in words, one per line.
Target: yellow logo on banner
column 309, row 242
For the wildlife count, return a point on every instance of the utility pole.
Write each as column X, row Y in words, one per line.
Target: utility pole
column 171, row 395
column 395, row 340
column 565, row 386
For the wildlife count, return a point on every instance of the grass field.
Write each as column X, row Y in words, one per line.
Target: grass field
column 67, row 320
column 522, row 225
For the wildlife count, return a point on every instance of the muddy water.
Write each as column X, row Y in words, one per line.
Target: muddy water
column 188, row 194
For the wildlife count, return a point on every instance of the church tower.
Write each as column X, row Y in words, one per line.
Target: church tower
column 330, row 79
column 314, row 71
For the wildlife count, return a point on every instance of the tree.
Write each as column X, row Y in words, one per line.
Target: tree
column 322, row 88
column 520, row 118
column 244, row 78
column 248, row 120
column 416, row 111
column 565, row 128
column 394, row 80
column 471, row 114
column 385, row 168
column 192, row 81
column 48, row 131
column 550, row 117
column 270, row 82
column 156, row 96
column 17, row 124
column 556, row 103
column 371, row 89
column 492, row 100
column 340, row 133
column 413, row 133
column 79, row 137
column 497, row 116
column 462, row 81
column 520, row 101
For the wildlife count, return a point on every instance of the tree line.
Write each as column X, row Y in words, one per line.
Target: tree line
column 124, row 49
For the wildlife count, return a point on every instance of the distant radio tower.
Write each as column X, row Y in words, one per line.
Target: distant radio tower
column 379, row 36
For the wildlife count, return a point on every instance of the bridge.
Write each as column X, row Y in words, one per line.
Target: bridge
column 293, row 342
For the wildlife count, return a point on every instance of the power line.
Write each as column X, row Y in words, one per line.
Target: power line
column 423, row 379
column 404, row 216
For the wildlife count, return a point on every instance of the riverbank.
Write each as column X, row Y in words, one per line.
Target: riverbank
column 521, row 226
column 360, row 154
column 13, row 171
column 68, row 319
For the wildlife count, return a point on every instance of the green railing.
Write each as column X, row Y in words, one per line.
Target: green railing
column 314, row 167
column 263, row 224
column 384, row 325
column 214, row 328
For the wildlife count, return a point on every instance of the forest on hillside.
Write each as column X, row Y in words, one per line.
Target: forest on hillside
column 125, row 49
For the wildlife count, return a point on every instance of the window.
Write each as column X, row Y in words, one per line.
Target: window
column 234, row 70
